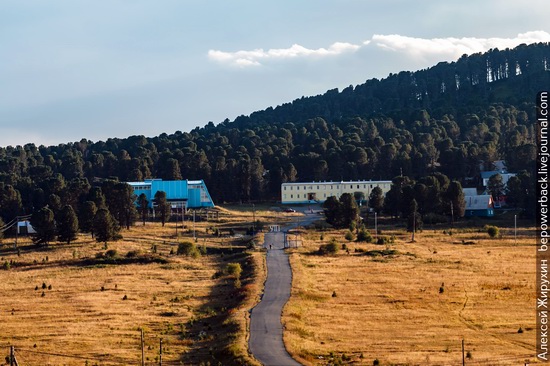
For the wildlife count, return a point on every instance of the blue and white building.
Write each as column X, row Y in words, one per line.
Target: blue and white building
column 179, row 193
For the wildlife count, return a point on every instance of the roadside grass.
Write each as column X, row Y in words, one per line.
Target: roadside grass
column 413, row 303
column 97, row 298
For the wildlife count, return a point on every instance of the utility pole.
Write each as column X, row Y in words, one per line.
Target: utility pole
column 452, row 215
column 515, row 230
column 376, row 225
column 142, row 349
column 414, row 225
column 160, row 353
column 194, row 236
column 253, row 219
column 463, row 359
column 13, row 360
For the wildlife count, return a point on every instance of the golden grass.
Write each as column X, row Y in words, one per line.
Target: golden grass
column 94, row 311
column 390, row 307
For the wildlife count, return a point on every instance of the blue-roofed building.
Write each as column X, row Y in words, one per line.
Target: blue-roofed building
column 180, row 193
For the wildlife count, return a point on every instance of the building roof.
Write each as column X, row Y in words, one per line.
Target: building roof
column 479, row 202
column 342, row 182
column 470, row 191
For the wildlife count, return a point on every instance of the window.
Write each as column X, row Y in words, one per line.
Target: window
column 358, row 186
column 364, row 186
column 291, row 196
column 284, row 188
column 298, row 188
column 317, row 187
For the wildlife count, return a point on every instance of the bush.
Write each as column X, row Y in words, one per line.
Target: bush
column 492, row 231
column 132, row 254
column 349, row 236
column 331, row 248
column 364, row 235
column 234, row 269
column 111, row 253
column 189, row 249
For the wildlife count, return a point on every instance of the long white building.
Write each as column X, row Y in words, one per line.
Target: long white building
column 318, row 192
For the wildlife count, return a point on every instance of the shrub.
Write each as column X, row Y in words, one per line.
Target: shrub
column 189, row 249
column 364, row 235
column 234, row 269
column 132, row 254
column 331, row 248
column 492, row 231
column 111, row 253
column 349, row 236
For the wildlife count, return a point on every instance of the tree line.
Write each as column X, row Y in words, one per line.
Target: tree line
column 445, row 119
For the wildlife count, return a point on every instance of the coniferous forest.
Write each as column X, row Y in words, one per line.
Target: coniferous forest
column 445, row 119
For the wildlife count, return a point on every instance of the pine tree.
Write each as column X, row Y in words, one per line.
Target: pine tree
column 143, row 207
column 87, row 213
column 44, row 224
column 67, row 224
column 162, row 206
column 105, row 226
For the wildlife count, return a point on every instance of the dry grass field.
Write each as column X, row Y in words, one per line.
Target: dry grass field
column 62, row 305
column 413, row 303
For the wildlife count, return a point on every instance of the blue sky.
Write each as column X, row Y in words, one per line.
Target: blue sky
column 100, row 69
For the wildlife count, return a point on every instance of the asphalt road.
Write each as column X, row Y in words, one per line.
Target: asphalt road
column 266, row 330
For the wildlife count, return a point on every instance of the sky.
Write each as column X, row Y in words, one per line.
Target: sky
column 100, row 69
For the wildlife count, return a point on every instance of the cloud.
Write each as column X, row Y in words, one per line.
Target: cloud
column 259, row 56
column 420, row 49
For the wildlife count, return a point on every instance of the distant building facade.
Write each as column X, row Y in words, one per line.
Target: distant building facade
column 179, row 193
column 318, row 192
column 480, row 205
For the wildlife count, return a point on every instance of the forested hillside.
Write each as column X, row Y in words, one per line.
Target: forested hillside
column 446, row 118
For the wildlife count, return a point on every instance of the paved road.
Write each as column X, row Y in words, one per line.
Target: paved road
column 266, row 330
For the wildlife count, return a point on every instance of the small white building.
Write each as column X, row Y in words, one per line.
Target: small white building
column 25, row 227
column 318, row 192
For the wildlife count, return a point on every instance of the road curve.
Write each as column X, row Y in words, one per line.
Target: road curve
column 266, row 330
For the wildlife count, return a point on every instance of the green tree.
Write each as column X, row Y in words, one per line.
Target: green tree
column 105, row 226
column 10, row 202
column 496, row 186
column 44, row 224
column 376, row 199
column 455, row 195
column 162, row 206
column 87, row 213
column 67, row 224
column 333, row 211
column 143, row 207
column 349, row 210
column 414, row 220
